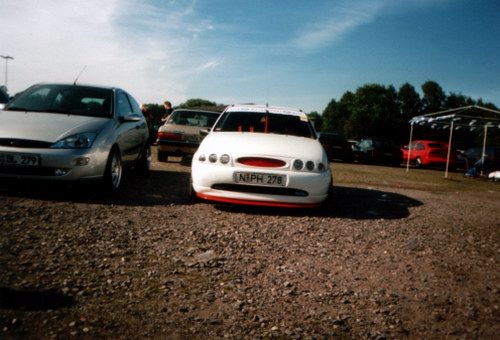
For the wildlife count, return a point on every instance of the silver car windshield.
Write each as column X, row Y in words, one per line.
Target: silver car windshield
column 65, row 99
column 265, row 122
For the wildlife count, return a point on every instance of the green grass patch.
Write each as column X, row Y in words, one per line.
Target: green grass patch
column 361, row 175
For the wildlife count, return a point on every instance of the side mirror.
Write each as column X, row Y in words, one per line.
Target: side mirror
column 130, row 117
column 204, row 132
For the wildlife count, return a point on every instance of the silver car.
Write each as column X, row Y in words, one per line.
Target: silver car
column 72, row 132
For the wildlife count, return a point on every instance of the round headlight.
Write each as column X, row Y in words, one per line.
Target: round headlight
column 310, row 165
column 224, row 159
column 321, row 167
column 212, row 158
column 298, row 164
column 202, row 158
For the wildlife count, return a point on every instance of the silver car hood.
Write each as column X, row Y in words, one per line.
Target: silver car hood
column 47, row 127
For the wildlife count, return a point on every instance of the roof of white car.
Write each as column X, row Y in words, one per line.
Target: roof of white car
column 261, row 108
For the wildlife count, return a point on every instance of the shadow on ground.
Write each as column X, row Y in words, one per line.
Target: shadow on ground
column 156, row 188
column 32, row 300
column 347, row 202
column 161, row 188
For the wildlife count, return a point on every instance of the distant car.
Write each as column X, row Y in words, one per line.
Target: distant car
column 67, row 132
column 429, row 153
column 264, row 156
column 182, row 132
column 336, row 146
column 377, row 151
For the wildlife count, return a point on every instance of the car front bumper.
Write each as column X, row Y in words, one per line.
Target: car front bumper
column 54, row 164
column 177, row 147
column 302, row 189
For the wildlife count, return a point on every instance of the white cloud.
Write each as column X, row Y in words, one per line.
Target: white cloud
column 337, row 24
column 133, row 44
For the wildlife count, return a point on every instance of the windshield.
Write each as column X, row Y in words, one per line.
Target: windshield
column 67, row 99
column 193, row 118
column 265, row 122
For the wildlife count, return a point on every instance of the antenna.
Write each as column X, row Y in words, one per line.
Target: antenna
column 267, row 99
column 79, row 74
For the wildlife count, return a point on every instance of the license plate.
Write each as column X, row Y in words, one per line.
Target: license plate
column 260, row 179
column 20, row 159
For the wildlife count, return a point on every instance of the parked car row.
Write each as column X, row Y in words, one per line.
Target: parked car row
column 248, row 154
column 251, row 155
column 419, row 153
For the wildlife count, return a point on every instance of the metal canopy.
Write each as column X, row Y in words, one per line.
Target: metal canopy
column 472, row 117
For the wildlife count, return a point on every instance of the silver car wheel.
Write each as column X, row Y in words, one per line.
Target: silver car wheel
column 114, row 170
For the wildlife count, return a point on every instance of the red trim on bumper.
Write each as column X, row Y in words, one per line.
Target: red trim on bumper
column 257, row 203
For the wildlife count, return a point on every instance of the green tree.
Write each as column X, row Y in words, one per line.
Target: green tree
column 409, row 101
column 454, row 101
column 316, row 118
column 337, row 114
column 375, row 113
column 434, row 97
column 196, row 102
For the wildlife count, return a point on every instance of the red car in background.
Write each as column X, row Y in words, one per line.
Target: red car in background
column 428, row 153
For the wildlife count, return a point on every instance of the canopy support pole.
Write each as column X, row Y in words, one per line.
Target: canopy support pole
column 484, row 148
column 409, row 149
column 449, row 150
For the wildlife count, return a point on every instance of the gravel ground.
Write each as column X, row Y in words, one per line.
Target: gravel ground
column 382, row 261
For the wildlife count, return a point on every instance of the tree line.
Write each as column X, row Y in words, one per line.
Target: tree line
column 382, row 111
column 375, row 110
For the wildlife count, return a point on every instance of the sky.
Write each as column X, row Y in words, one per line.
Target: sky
column 292, row 53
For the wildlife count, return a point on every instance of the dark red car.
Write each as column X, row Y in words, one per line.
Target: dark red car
column 428, row 153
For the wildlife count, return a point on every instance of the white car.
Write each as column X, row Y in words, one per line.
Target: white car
column 260, row 155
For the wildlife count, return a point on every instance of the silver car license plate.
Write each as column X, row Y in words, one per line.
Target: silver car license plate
column 20, row 159
column 260, row 179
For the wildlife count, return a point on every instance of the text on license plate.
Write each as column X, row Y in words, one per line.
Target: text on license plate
column 261, row 179
column 19, row 159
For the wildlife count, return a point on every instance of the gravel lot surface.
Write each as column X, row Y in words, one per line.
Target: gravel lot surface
column 387, row 258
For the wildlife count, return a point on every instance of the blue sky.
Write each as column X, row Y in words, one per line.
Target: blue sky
column 285, row 52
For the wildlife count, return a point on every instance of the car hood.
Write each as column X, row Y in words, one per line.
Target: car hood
column 47, row 127
column 260, row 144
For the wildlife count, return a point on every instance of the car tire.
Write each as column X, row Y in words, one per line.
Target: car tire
column 114, row 170
column 162, row 156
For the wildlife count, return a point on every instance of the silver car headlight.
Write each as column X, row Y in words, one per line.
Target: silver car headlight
column 79, row 141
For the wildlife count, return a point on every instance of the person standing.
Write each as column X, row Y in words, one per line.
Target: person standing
column 168, row 110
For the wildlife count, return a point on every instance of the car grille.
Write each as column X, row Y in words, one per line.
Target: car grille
column 254, row 189
column 24, row 143
column 261, row 162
